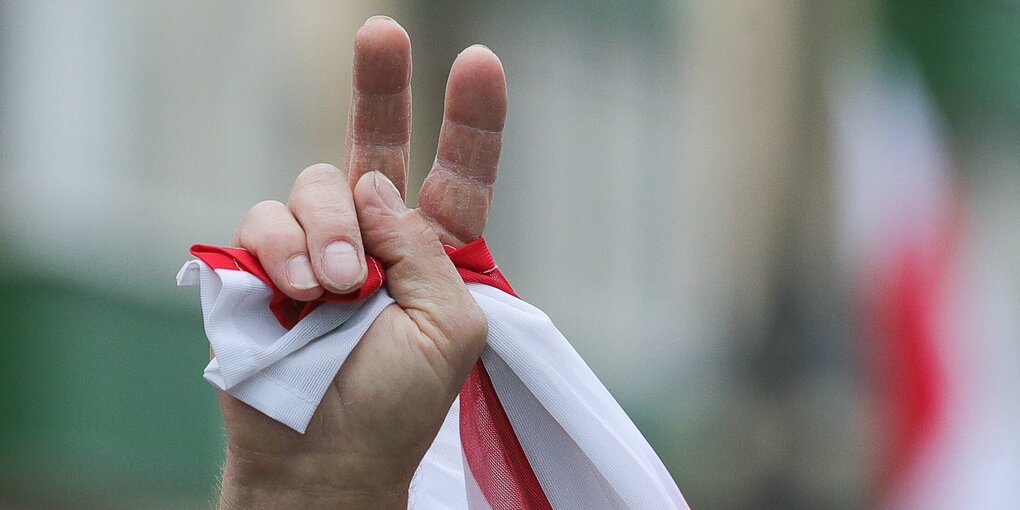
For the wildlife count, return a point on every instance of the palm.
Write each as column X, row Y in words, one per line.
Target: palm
column 389, row 400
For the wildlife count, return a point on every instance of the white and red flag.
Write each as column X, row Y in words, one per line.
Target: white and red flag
column 532, row 429
column 940, row 338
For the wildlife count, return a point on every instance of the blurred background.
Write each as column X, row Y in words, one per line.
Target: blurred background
column 783, row 233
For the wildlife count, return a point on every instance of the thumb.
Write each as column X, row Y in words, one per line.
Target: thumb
column 419, row 275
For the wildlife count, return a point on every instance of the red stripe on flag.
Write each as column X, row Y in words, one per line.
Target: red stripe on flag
column 906, row 306
column 288, row 311
column 493, row 452
column 913, row 376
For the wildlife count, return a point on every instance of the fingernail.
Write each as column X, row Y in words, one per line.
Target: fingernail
column 341, row 264
column 482, row 46
column 300, row 274
column 388, row 192
column 378, row 17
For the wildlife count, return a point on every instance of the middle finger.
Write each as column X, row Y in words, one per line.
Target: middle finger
column 379, row 120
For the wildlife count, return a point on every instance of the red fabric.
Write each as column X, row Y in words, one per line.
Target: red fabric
column 286, row 310
column 905, row 309
column 493, row 452
column 912, row 375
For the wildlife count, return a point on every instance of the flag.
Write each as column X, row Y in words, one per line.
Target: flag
column 532, row 428
column 934, row 311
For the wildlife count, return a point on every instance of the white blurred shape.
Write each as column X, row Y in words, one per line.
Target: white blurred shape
column 898, row 196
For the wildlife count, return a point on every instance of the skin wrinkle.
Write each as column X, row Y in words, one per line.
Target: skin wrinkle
column 373, row 142
column 406, row 334
column 318, row 173
column 428, row 319
column 417, row 282
column 358, row 76
column 277, row 238
column 477, row 162
column 259, row 210
column 379, row 117
column 473, row 128
column 457, row 201
column 362, row 152
column 394, row 170
column 453, row 237
column 428, row 343
column 311, row 213
column 361, row 157
column 443, row 167
column 242, row 455
column 356, row 114
column 314, row 200
column 377, row 121
column 405, row 90
column 364, row 160
column 386, row 242
column 313, row 216
column 472, row 150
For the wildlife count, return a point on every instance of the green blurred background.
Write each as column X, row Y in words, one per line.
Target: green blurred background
column 699, row 130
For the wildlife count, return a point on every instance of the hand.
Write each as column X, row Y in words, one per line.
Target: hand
column 386, row 406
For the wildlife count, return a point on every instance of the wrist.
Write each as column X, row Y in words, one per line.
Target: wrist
column 255, row 480
column 236, row 497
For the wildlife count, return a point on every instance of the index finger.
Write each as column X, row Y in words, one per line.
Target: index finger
column 379, row 120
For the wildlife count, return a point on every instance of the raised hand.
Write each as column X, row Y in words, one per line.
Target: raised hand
column 385, row 407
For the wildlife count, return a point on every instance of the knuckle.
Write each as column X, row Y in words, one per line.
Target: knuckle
column 313, row 184
column 388, row 241
column 262, row 211
column 319, row 200
column 254, row 220
column 331, row 213
column 277, row 238
column 329, row 221
column 421, row 231
column 316, row 175
column 268, row 205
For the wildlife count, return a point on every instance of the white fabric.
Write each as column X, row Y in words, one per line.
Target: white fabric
column 282, row 373
column 577, row 438
column 439, row 482
column 584, row 450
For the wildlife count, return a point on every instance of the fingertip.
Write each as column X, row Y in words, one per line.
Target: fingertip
column 384, row 30
column 378, row 18
column 480, row 54
column 476, row 89
column 364, row 191
column 382, row 61
column 374, row 193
